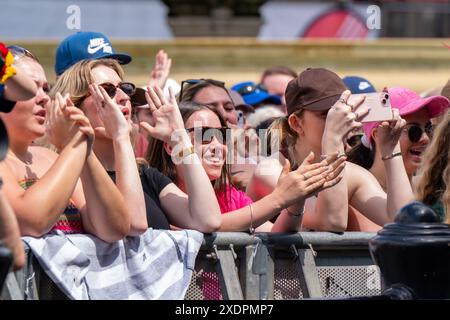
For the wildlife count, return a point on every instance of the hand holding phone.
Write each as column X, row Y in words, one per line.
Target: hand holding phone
column 378, row 103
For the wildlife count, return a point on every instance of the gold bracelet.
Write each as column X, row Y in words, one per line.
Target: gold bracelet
column 393, row 155
column 185, row 152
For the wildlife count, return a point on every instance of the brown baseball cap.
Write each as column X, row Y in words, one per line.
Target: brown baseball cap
column 315, row 89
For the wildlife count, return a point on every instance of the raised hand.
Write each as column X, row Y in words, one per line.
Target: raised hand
column 166, row 115
column 115, row 123
column 308, row 179
column 161, row 70
column 64, row 121
column 389, row 134
column 343, row 118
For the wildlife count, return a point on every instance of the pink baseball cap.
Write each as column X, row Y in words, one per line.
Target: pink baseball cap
column 408, row 102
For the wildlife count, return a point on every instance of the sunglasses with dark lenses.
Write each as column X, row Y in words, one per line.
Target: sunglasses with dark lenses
column 208, row 133
column 353, row 140
column 190, row 82
column 20, row 52
column 415, row 131
column 251, row 88
column 127, row 87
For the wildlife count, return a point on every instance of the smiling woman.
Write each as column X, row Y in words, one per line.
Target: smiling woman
column 97, row 88
column 415, row 136
column 207, row 132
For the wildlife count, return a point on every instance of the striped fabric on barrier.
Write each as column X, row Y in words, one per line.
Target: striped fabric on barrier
column 155, row 265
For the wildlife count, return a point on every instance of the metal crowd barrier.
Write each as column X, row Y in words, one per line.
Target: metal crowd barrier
column 237, row 266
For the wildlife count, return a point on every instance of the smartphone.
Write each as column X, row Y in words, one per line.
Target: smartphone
column 378, row 103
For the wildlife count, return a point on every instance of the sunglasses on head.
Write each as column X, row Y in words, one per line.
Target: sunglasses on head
column 415, row 131
column 127, row 87
column 251, row 88
column 20, row 52
column 190, row 82
column 208, row 133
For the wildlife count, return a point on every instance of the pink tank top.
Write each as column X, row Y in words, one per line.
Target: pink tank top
column 232, row 200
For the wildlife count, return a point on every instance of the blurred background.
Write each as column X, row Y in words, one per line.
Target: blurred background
column 388, row 42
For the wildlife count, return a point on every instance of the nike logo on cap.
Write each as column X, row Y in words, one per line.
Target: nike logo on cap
column 363, row 85
column 98, row 44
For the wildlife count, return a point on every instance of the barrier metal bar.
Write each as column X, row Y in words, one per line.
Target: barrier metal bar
column 251, row 278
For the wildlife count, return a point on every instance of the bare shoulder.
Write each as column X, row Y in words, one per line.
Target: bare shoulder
column 358, row 176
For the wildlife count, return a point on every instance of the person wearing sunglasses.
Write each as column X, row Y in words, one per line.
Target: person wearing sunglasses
column 412, row 141
column 149, row 194
column 98, row 89
column 415, row 136
column 319, row 120
column 208, row 134
column 57, row 192
column 14, row 83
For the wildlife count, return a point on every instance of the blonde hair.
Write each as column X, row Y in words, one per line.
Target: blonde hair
column 76, row 80
column 280, row 128
column 434, row 183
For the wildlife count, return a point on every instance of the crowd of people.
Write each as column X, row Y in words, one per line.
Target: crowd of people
column 94, row 154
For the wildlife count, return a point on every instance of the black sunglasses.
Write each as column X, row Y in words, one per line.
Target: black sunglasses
column 190, row 82
column 127, row 87
column 208, row 133
column 415, row 131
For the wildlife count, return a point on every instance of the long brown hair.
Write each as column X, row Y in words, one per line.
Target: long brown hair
column 434, row 183
column 189, row 91
column 158, row 158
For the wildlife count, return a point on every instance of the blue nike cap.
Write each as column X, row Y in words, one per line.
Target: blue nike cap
column 358, row 85
column 85, row 45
